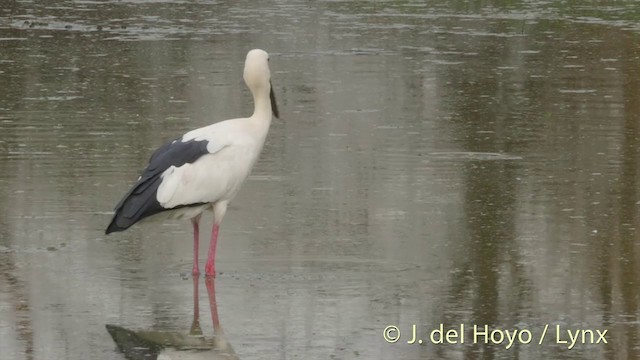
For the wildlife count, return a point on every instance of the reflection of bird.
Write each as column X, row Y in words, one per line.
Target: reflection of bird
column 152, row 345
column 204, row 168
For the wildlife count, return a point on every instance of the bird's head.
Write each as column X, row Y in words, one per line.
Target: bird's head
column 257, row 75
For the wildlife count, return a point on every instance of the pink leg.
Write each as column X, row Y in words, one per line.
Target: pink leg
column 210, row 267
column 195, row 325
column 196, row 240
column 213, row 305
column 196, row 301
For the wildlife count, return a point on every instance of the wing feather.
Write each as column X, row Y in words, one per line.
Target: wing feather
column 141, row 200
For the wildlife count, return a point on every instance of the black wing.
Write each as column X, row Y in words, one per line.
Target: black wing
column 141, row 200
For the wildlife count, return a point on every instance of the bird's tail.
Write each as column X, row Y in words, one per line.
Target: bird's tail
column 138, row 203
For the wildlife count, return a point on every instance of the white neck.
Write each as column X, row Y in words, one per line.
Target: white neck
column 262, row 105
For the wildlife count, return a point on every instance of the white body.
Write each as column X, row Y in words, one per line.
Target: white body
column 235, row 146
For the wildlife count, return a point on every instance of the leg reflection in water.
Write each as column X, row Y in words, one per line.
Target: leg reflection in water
column 167, row 345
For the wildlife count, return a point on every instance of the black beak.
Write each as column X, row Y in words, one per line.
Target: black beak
column 274, row 105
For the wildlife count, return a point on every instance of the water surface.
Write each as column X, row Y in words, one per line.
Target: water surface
column 451, row 163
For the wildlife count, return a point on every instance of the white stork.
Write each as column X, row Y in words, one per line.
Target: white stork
column 204, row 168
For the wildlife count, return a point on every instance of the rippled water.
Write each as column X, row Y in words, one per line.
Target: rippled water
column 435, row 163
